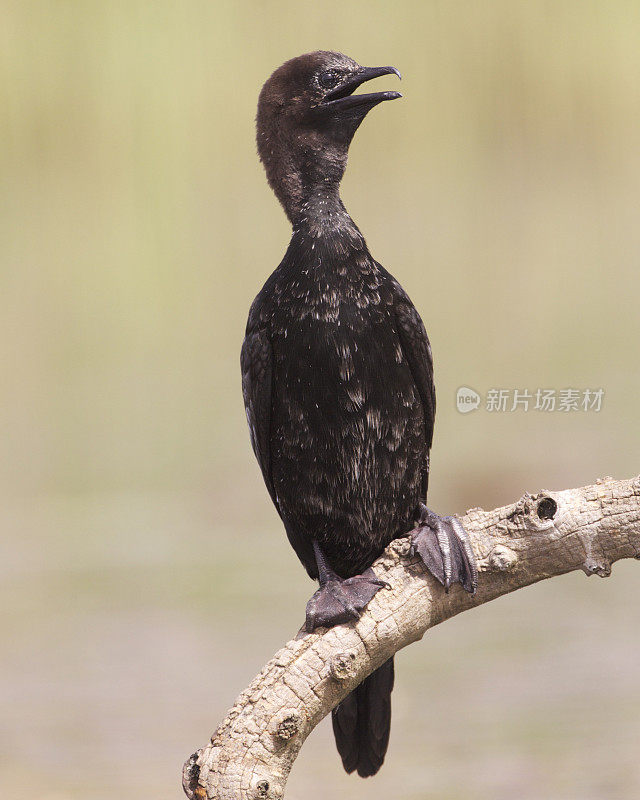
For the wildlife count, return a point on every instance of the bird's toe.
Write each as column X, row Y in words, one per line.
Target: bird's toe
column 340, row 601
column 444, row 548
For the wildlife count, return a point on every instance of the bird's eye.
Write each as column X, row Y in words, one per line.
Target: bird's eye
column 329, row 78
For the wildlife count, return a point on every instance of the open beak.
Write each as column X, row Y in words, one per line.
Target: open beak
column 342, row 96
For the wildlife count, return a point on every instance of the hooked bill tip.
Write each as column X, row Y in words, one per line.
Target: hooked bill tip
column 387, row 71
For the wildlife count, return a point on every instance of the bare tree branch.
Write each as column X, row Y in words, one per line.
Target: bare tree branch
column 250, row 755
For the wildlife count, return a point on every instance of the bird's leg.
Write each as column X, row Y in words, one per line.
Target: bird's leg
column 339, row 599
column 443, row 545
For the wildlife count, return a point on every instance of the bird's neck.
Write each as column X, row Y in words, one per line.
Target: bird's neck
column 322, row 215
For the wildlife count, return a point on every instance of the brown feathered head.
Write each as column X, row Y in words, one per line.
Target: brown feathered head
column 307, row 116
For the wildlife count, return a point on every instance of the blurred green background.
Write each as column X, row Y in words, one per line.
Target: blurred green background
column 144, row 575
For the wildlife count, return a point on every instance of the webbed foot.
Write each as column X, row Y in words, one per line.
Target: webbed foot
column 443, row 545
column 340, row 600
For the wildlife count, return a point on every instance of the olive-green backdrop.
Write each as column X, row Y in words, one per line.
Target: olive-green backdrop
column 144, row 575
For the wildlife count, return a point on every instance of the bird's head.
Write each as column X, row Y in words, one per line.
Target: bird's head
column 307, row 116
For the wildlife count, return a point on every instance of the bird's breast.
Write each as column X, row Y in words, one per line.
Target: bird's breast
column 348, row 441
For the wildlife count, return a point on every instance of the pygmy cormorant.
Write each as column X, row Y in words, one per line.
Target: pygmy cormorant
column 337, row 378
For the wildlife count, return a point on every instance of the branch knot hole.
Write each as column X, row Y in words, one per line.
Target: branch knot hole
column 288, row 724
column 261, row 791
column 190, row 776
column 546, row 508
column 601, row 568
column 343, row 666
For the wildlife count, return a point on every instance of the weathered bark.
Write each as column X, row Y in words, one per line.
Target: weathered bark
column 543, row 535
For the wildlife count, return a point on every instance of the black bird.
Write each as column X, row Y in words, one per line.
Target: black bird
column 337, row 379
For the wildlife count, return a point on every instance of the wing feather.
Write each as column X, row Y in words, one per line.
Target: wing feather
column 417, row 351
column 256, row 361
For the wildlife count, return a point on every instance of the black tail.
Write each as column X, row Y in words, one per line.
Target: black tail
column 362, row 721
